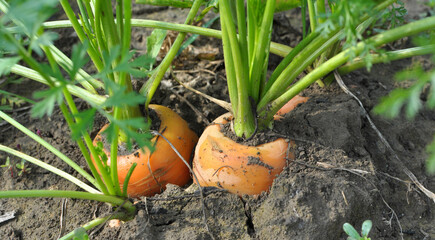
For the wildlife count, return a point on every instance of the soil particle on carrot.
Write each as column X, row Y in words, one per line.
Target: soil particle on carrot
column 257, row 161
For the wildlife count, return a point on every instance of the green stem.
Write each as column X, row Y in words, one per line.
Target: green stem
column 17, row 96
column 252, row 26
column 94, row 223
column 69, row 194
column 409, row 29
column 287, row 60
column 90, row 12
column 312, row 15
column 151, row 86
column 297, row 66
column 85, row 18
column 127, row 179
column 114, row 153
column 275, row 48
column 304, row 18
column 172, row 3
column 99, row 35
column 69, row 119
column 386, row 57
column 258, row 65
column 82, row 76
column 108, row 23
column 48, row 167
column 120, row 19
column 244, row 122
column 93, row 99
column 109, row 183
column 128, row 112
column 230, row 69
column 281, row 5
column 321, row 18
column 126, row 36
column 321, row 11
column 74, row 111
column 103, row 171
column 48, row 146
column 243, row 37
column 93, row 53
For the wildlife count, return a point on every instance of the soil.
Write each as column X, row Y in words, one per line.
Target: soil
column 342, row 171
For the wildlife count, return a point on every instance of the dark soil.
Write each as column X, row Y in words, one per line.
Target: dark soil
column 259, row 138
column 342, row 171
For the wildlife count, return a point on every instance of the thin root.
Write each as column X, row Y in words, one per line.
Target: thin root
column 217, row 170
column 221, row 103
column 399, row 162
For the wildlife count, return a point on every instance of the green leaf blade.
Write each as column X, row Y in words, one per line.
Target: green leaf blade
column 351, row 232
column 366, row 227
column 85, row 123
column 430, row 162
column 51, row 97
column 6, row 63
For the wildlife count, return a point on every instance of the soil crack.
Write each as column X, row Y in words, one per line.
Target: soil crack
column 249, row 223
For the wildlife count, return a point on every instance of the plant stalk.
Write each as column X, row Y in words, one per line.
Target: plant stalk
column 244, row 122
column 267, row 112
column 258, row 65
column 41, row 141
column 116, row 201
column 312, row 15
column 386, row 57
column 275, row 48
column 151, row 85
column 93, row 99
column 50, row 168
column 94, row 223
column 93, row 53
column 69, row 119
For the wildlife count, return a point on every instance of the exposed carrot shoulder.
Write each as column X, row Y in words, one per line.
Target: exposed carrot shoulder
column 156, row 169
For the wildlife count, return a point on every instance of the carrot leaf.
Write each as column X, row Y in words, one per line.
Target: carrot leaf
column 79, row 58
column 50, row 98
column 85, row 124
column 138, row 138
column 6, row 63
column 119, row 97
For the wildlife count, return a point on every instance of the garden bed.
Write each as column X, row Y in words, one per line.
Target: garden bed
column 342, row 171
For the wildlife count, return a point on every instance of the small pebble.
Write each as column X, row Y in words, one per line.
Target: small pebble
column 114, row 223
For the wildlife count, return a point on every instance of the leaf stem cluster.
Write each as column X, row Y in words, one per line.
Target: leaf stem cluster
column 334, row 41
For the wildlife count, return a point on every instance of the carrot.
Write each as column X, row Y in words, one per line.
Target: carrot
column 155, row 169
column 240, row 169
column 292, row 104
